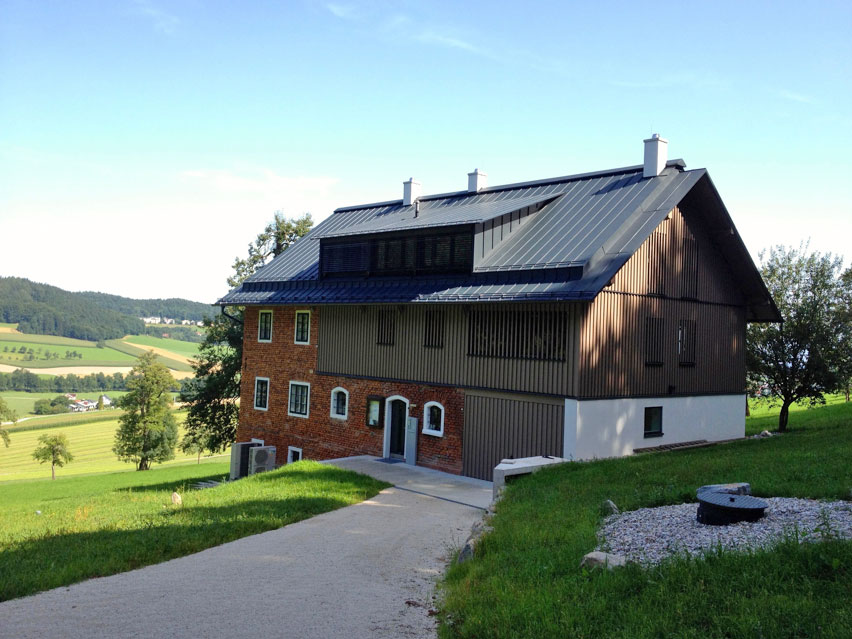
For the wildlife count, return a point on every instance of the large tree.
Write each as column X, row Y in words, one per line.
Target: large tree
column 844, row 359
column 147, row 431
column 6, row 415
column 798, row 359
column 53, row 449
column 212, row 395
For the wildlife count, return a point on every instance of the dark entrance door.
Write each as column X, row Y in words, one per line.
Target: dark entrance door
column 397, row 426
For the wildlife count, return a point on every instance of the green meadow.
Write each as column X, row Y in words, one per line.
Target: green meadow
column 48, row 355
column 22, row 402
column 187, row 349
column 136, row 351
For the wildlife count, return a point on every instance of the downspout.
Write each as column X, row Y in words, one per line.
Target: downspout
column 230, row 317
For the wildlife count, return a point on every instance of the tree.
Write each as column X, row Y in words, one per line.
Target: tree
column 6, row 415
column 798, row 359
column 53, row 449
column 147, row 431
column 212, row 394
column 844, row 339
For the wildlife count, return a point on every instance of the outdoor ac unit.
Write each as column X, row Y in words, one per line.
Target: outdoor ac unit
column 261, row 459
column 240, row 458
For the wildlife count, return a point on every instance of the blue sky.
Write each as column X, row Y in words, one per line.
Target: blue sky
column 144, row 143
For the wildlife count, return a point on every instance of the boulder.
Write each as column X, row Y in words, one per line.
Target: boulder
column 599, row 559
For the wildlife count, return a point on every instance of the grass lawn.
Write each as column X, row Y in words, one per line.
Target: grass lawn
column 101, row 525
column 526, row 580
column 187, row 349
column 89, row 441
column 22, row 402
column 90, row 355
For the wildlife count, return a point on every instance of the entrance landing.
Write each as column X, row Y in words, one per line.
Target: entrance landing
column 472, row 492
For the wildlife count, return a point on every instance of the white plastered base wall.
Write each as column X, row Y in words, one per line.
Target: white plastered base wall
column 615, row 427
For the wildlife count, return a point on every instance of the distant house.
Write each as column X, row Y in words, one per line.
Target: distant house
column 168, row 320
column 151, row 320
column 582, row 316
column 71, row 396
column 186, row 322
column 106, row 400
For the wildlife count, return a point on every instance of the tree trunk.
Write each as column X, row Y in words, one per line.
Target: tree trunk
column 847, row 392
column 143, row 464
column 52, row 471
column 199, row 457
column 783, row 416
column 748, row 409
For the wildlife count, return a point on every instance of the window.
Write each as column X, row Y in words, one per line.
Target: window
column 293, row 454
column 433, row 333
column 375, row 411
column 386, row 326
column 653, row 421
column 264, row 326
column 261, row 393
column 340, row 403
column 657, row 263
column 523, row 334
column 686, row 342
column 303, row 327
column 433, row 419
column 300, row 399
column 654, row 343
column 689, row 268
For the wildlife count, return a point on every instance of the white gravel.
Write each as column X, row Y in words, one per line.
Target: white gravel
column 650, row 535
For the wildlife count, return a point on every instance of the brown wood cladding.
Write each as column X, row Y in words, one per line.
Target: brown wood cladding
column 678, row 277
column 347, row 346
column 496, row 428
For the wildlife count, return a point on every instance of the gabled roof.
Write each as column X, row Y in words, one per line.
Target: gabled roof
column 586, row 228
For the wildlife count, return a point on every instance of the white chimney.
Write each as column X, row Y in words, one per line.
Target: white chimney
column 410, row 191
column 476, row 181
column 656, row 154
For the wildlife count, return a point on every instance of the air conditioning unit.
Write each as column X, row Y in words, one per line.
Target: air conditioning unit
column 261, row 459
column 240, row 458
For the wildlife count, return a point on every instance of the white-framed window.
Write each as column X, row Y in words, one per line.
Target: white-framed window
column 303, row 327
column 264, row 326
column 293, row 454
column 261, row 393
column 340, row 403
column 433, row 419
column 299, row 399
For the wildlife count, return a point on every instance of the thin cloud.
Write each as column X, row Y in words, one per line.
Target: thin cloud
column 430, row 37
column 344, row 12
column 164, row 22
column 796, row 97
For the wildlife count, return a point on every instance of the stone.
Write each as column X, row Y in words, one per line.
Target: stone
column 736, row 488
column 176, row 500
column 467, row 551
column 609, row 508
column 599, row 559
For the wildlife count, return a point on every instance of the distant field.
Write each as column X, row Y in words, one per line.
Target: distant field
column 8, row 328
column 136, row 351
column 22, row 403
column 53, row 340
column 90, row 355
column 90, row 443
column 187, row 349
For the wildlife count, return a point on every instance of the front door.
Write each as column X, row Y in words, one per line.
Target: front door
column 398, row 417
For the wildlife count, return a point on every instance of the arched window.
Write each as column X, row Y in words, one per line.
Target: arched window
column 340, row 403
column 433, row 419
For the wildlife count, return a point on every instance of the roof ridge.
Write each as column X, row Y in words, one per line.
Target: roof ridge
column 679, row 162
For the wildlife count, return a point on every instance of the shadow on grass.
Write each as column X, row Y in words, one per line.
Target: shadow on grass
column 38, row 564
column 169, row 486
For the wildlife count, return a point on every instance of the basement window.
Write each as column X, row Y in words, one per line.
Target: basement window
column 653, row 421
column 261, row 393
column 264, row 326
column 303, row 327
column 293, row 454
column 340, row 403
column 299, row 400
column 433, row 419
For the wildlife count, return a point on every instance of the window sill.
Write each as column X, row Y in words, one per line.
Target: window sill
column 650, row 435
column 297, row 415
column 302, row 343
column 261, row 408
column 433, row 433
column 340, row 417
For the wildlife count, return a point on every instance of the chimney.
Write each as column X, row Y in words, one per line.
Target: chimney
column 656, row 154
column 410, row 192
column 476, row 181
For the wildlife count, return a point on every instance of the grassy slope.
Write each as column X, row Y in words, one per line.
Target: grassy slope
column 91, row 356
column 136, row 351
column 89, row 442
column 45, row 339
column 187, row 349
column 527, row 582
column 101, row 525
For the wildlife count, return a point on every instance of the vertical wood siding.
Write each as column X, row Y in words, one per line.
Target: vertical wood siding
column 497, row 428
column 678, row 276
column 347, row 346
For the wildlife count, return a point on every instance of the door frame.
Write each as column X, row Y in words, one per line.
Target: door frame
column 387, row 435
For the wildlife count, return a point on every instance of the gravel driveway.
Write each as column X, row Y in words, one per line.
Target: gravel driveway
column 367, row 570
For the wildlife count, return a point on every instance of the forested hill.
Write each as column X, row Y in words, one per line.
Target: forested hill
column 174, row 308
column 48, row 310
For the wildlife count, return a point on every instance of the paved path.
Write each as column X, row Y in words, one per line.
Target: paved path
column 363, row 571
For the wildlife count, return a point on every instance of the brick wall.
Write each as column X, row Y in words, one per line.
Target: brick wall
column 321, row 436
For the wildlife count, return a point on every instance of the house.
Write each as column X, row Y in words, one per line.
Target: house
column 582, row 316
column 106, row 401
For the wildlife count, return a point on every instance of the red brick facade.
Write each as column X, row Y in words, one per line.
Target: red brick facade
column 321, row 436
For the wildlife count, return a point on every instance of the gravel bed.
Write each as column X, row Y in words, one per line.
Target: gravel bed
column 650, row 535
